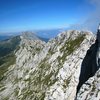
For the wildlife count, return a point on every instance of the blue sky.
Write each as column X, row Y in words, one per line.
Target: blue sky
column 22, row 15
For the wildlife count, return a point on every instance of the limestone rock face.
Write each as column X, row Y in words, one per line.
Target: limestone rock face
column 46, row 71
column 89, row 65
column 89, row 80
column 91, row 89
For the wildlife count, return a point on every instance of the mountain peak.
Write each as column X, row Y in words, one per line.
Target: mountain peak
column 29, row 35
column 44, row 71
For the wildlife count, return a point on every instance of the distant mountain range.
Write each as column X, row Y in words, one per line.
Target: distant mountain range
column 4, row 37
column 42, row 34
column 51, row 33
column 7, row 37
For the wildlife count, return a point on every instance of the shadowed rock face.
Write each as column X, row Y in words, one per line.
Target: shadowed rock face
column 46, row 71
column 89, row 66
column 91, row 62
column 89, row 80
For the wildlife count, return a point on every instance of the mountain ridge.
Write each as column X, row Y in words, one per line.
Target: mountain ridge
column 49, row 70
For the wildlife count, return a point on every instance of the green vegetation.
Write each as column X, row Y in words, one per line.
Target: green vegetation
column 7, row 56
column 66, row 82
column 7, row 46
column 1, row 89
column 6, row 98
column 38, row 49
column 42, row 79
column 70, row 46
column 93, row 87
column 6, row 62
column 51, row 52
column 44, row 76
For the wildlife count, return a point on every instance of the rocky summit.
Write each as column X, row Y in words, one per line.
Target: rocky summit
column 64, row 68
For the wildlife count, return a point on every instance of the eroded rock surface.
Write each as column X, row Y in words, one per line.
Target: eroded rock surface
column 46, row 71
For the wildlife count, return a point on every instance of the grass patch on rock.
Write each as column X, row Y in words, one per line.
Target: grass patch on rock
column 70, row 45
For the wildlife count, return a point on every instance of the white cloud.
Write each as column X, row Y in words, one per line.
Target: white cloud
column 91, row 23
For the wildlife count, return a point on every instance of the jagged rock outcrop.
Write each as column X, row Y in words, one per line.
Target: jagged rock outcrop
column 93, row 55
column 46, row 71
column 91, row 89
column 90, row 65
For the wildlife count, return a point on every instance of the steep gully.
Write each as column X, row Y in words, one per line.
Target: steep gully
column 91, row 62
